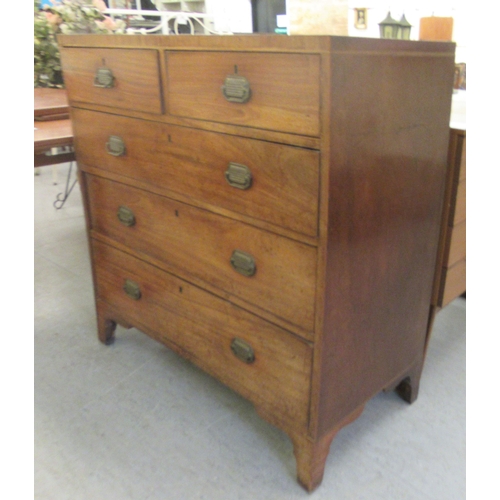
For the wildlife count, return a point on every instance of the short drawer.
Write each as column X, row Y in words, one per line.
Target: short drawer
column 270, row 182
column 272, row 272
column 270, row 91
column 110, row 77
column 261, row 361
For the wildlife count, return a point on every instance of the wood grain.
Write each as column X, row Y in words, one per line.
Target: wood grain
column 311, row 454
column 285, row 89
column 262, row 44
column 204, row 326
column 50, row 102
column 133, row 89
column 387, row 176
column 285, row 179
column 452, row 245
column 199, row 243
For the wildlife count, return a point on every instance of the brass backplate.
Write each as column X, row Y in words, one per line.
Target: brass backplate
column 243, row 262
column 131, row 288
column 236, row 88
column 238, row 176
column 126, row 216
column 104, row 78
column 115, row 146
column 243, row 350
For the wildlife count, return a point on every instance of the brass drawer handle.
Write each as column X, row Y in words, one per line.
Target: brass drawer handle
column 243, row 262
column 236, row 88
column 238, row 176
column 243, row 350
column 104, row 78
column 115, row 146
column 131, row 288
column 126, row 216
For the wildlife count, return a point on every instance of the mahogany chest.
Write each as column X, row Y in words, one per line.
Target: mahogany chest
column 268, row 207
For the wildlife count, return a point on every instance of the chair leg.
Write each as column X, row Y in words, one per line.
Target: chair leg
column 62, row 197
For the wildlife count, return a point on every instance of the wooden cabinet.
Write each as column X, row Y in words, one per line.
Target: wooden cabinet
column 268, row 207
column 450, row 272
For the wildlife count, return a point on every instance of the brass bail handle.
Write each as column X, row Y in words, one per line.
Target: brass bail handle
column 238, row 176
column 236, row 88
column 131, row 288
column 104, row 78
column 126, row 216
column 243, row 263
column 243, row 350
column 115, row 146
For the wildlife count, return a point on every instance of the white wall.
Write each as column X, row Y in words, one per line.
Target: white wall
column 236, row 16
column 413, row 10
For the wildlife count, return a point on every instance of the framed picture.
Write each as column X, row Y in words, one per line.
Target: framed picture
column 360, row 18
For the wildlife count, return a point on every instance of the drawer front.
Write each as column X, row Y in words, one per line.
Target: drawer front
column 270, row 182
column 110, row 77
column 205, row 327
column 457, row 244
column 280, row 91
column 454, row 282
column 212, row 248
column 460, row 206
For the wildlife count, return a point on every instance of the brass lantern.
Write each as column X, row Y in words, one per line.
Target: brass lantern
column 404, row 29
column 389, row 27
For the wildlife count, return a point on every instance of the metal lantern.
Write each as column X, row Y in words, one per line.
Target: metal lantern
column 404, row 29
column 389, row 27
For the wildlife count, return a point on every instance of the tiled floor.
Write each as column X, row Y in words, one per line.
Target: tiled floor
column 135, row 421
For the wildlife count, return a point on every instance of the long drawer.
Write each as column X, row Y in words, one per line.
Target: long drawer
column 110, row 77
column 269, row 91
column 274, row 273
column 271, row 182
column 254, row 357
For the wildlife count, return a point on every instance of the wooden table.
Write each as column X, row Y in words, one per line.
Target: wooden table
column 51, row 104
column 52, row 126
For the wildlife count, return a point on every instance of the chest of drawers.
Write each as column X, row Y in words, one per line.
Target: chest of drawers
column 269, row 208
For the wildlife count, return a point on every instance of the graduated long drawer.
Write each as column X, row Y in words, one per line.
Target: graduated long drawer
column 270, row 182
column 259, row 360
column 210, row 247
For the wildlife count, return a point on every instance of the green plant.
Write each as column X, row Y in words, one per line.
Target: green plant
column 66, row 17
